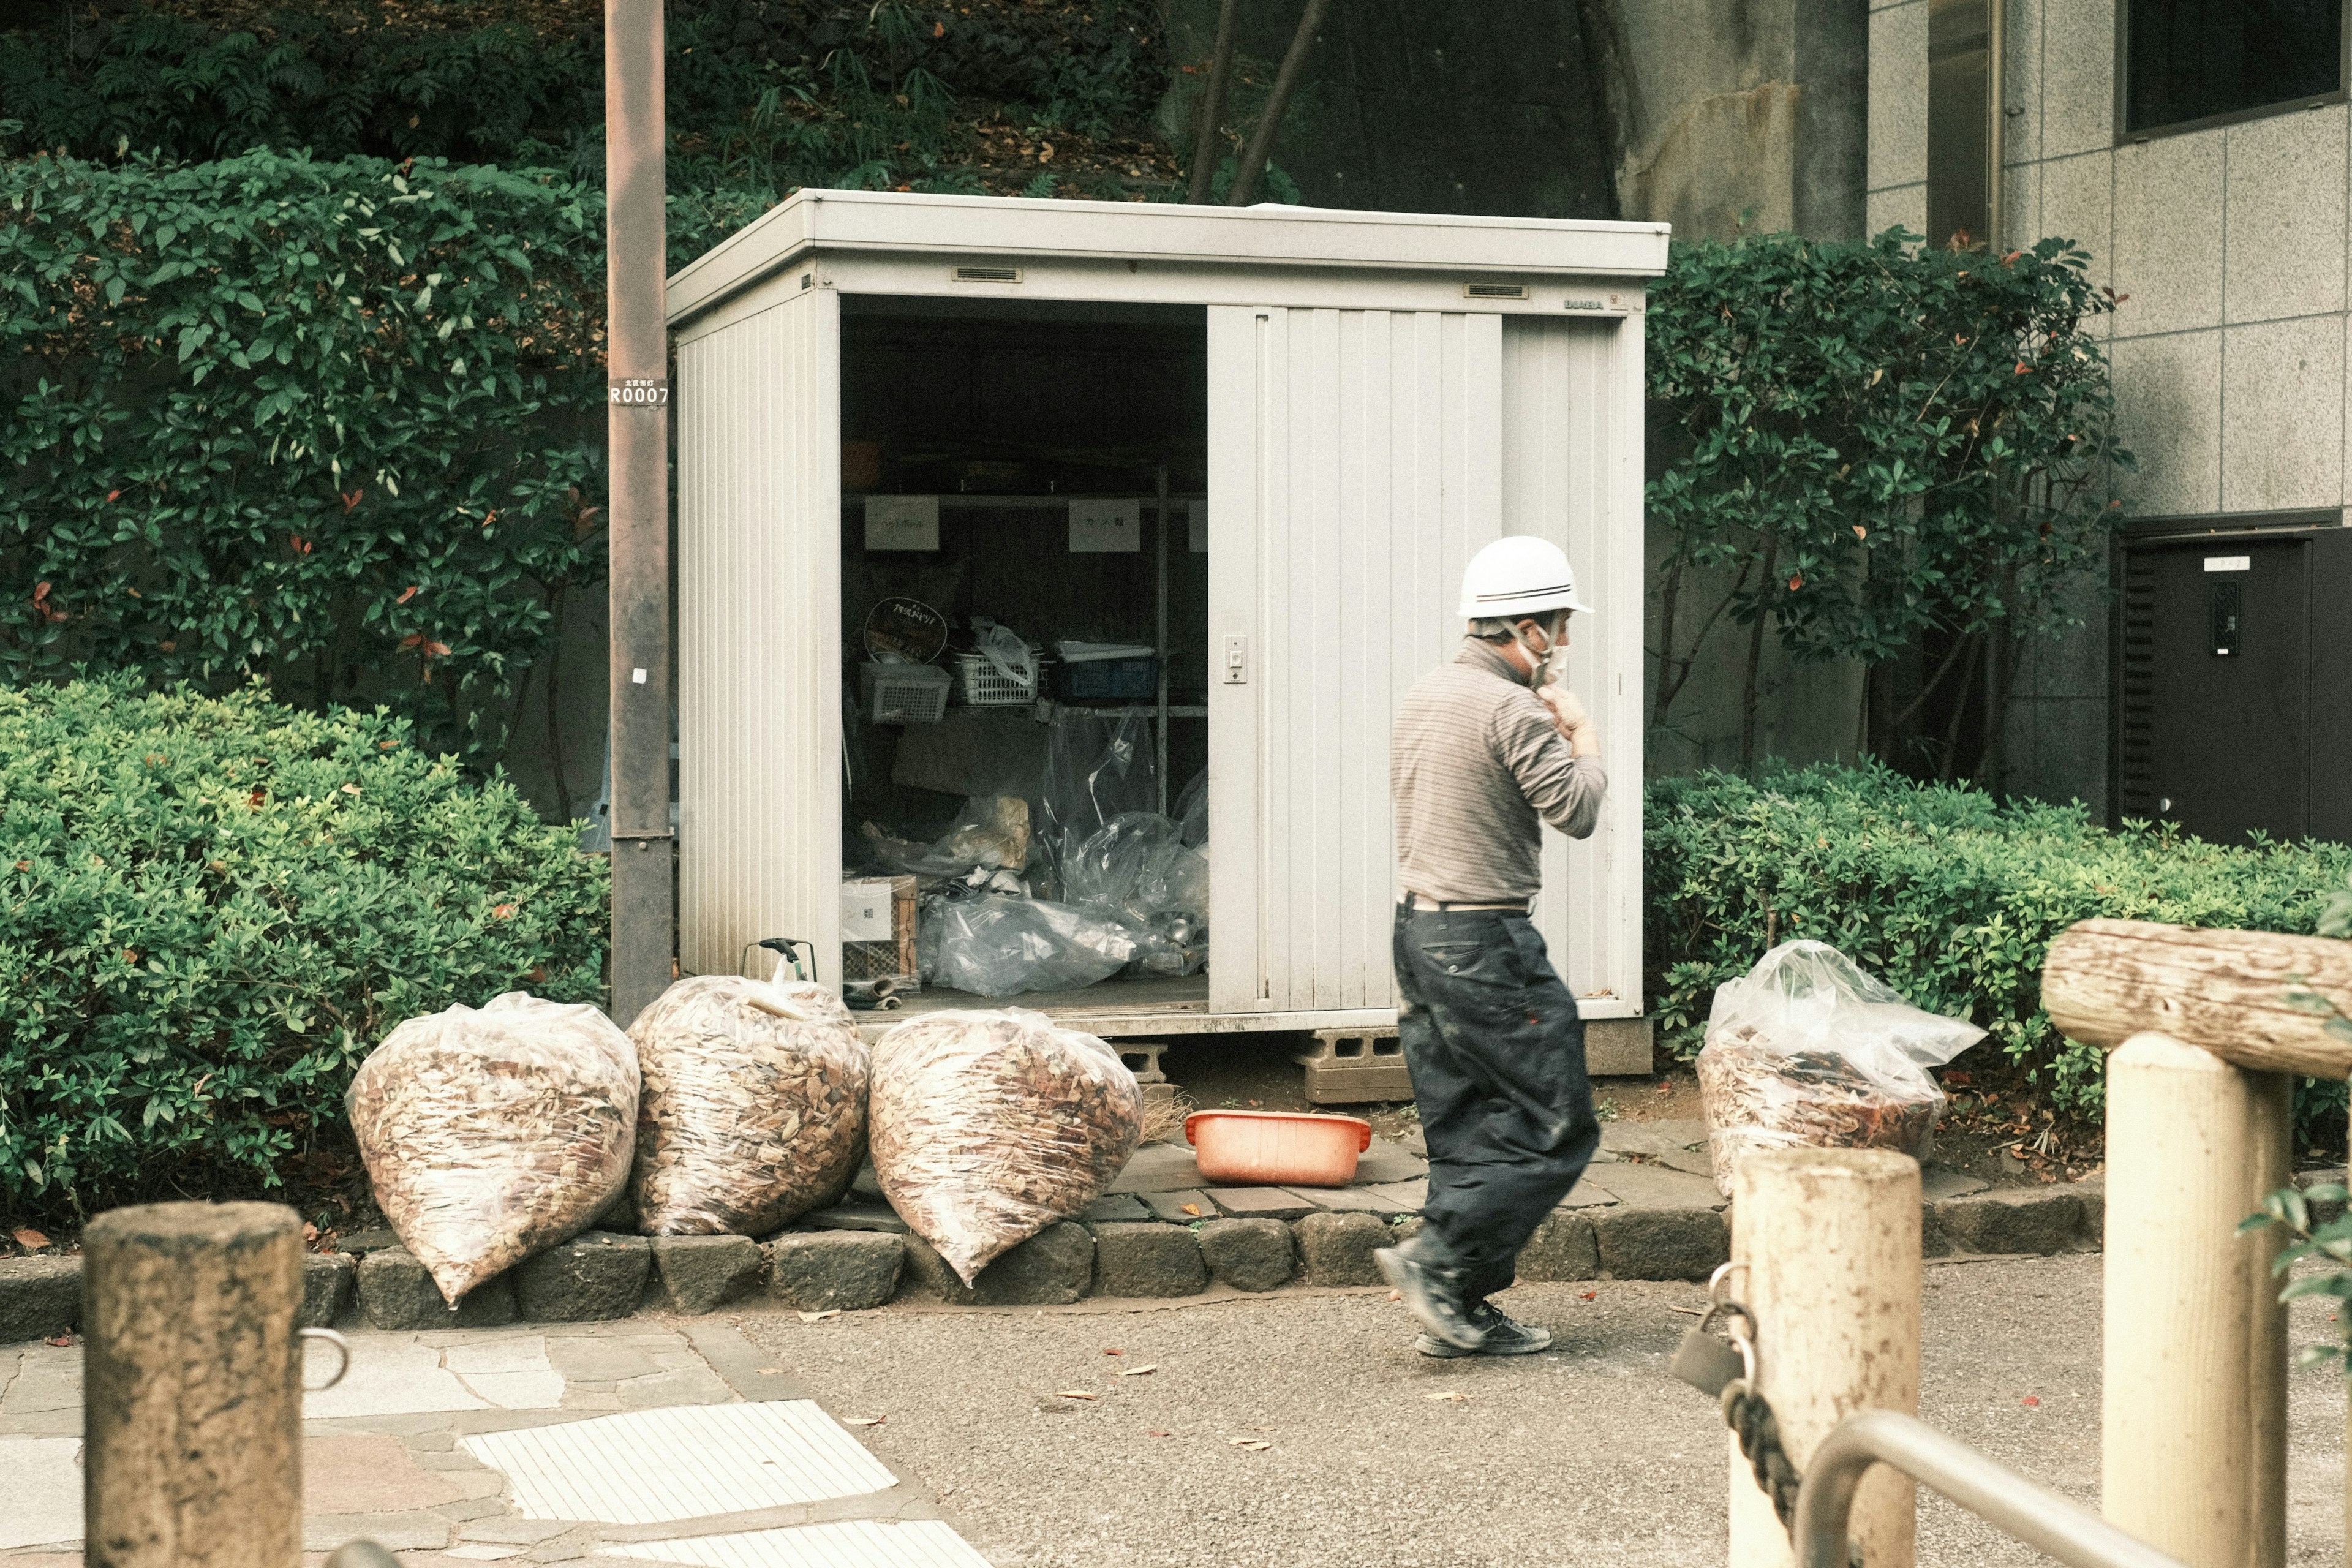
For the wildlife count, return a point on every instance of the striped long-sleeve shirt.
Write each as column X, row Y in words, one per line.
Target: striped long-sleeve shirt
column 1475, row 765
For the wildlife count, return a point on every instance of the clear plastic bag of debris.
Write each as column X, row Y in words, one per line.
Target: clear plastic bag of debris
column 990, row 1126
column 1135, row 866
column 754, row 1109
column 1192, row 811
column 490, row 1135
column 1137, row 870
column 1808, row 1050
column 1098, row 765
column 990, row 834
column 1001, row 945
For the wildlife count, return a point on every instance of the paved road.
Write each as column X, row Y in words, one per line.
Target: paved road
column 1588, row 1456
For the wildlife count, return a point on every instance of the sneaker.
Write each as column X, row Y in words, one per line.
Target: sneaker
column 1434, row 1295
column 1504, row 1336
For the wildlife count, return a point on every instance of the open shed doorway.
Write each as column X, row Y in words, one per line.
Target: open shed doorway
column 1028, row 820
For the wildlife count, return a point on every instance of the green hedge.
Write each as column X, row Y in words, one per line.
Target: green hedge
column 212, row 908
column 1950, row 896
column 337, row 424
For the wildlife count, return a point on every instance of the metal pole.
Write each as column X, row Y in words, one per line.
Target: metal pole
column 2002, row 1498
column 192, row 1418
column 2187, row 1300
column 638, row 432
column 1159, row 637
column 1829, row 1243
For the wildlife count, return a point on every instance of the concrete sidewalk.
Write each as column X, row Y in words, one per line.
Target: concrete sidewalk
column 662, row 1441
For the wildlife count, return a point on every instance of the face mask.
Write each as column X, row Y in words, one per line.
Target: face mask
column 1550, row 661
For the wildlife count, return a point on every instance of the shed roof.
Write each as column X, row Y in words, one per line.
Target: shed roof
column 1015, row 229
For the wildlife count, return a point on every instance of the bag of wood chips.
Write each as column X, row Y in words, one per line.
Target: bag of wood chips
column 990, row 1126
column 755, row 1105
column 1808, row 1050
column 491, row 1135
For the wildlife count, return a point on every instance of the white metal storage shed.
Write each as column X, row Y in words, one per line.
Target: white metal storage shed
column 1385, row 393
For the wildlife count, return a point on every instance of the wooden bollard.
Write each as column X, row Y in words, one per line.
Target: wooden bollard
column 1825, row 1252
column 2194, row 1361
column 2207, row 1027
column 2252, row 997
column 192, row 1423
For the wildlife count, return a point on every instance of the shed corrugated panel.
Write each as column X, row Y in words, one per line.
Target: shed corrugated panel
column 1343, row 511
column 1573, row 473
column 759, row 636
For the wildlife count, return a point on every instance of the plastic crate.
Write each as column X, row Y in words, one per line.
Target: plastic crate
column 905, row 693
column 1113, row 680
column 979, row 684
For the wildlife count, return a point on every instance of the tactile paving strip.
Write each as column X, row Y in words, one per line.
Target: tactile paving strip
column 653, row 1467
column 852, row 1543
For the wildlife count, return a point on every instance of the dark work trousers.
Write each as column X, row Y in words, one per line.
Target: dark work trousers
column 1497, row 1052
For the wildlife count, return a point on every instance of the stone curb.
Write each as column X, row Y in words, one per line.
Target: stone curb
column 820, row 1265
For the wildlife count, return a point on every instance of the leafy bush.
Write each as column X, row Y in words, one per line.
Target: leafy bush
column 763, row 95
column 333, row 424
column 1871, row 446
column 408, row 81
column 1948, row 895
column 211, row 910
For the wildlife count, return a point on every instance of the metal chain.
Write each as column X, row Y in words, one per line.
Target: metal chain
column 1750, row 1414
column 1747, row 1414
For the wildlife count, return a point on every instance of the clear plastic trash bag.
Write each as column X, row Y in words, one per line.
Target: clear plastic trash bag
column 754, row 1109
column 492, row 1134
column 1193, row 810
column 1808, row 1050
column 990, row 1126
column 1001, row 945
column 1135, row 866
column 1098, row 765
column 992, row 833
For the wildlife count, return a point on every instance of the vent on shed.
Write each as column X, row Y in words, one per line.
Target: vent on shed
column 1494, row 291
column 986, row 274
column 2135, row 746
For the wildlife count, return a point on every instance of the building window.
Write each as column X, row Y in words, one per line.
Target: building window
column 1963, row 132
column 2184, row 64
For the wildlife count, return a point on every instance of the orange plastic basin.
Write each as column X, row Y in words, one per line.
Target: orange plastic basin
column 1276, row 1148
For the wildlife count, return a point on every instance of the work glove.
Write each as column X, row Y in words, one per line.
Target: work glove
column 1575, row 725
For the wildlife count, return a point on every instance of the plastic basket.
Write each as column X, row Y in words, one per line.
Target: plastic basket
column 905, row 693
column 1117, row 679
column 979, row 684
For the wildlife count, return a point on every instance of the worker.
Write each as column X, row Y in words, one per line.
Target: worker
column 1486, row 749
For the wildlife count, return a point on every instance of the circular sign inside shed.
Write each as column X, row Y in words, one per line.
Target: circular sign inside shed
column 905, row 628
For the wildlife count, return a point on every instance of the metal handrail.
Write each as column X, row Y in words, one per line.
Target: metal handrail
column 2000, row 1497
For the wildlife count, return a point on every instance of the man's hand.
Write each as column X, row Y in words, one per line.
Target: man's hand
column 1575, row 725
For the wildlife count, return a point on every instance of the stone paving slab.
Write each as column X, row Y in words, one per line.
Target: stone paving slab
column 1654, row 1186
column 1351, row 1200
column 1401, row 1198
column 1170, row 1207
column 1261, row 1203
column 417, row 1448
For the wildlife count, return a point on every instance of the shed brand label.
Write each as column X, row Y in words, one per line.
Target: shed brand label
column 1575, row 304
column 2229, row 564
column 635, row 391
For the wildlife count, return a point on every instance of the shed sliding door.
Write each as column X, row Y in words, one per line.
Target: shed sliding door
column 1355, row 461
column 1573, row 473
column 759, row 672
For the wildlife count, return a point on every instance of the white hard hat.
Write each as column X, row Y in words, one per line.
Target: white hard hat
column 1517, row 577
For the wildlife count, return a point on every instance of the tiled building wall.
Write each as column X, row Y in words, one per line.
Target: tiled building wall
column 2229, row 356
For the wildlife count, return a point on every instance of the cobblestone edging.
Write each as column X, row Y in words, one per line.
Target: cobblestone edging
column 860, row 1256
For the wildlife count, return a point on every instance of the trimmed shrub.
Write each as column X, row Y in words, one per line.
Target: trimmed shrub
column 212, row 908
column 1951, row 897
column 335, row 424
